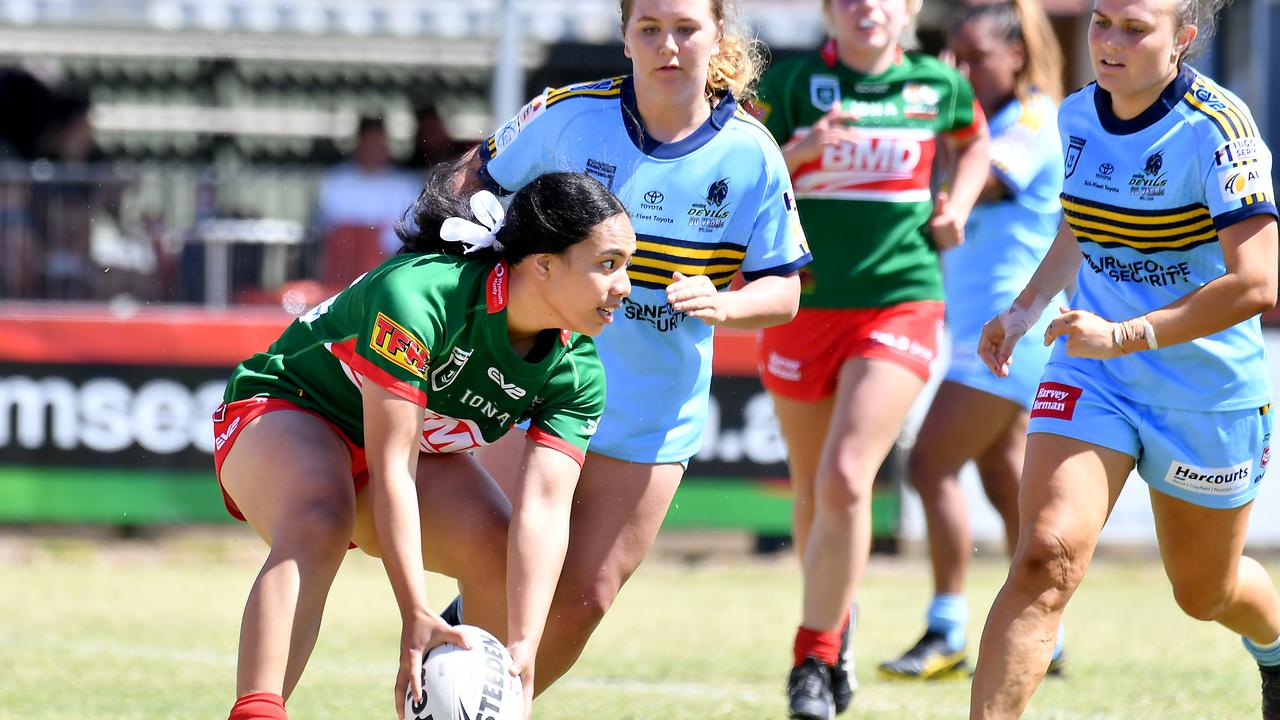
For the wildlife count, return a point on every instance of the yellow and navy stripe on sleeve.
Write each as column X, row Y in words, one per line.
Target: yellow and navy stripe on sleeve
column 657, row 257
column 611, row 87
column 1147, row 231
column 1229, row 118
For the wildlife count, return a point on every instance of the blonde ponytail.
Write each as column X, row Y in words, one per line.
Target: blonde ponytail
column 736, row 67
column 1024, row 21
column 1044, row 63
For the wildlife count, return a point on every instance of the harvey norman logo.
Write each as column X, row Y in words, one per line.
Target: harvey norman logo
column 1055, row 400
column 1209, row 481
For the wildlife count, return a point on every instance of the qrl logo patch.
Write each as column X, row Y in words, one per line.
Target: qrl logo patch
column 1055, row 400
column 445, row 374
column 399, row 346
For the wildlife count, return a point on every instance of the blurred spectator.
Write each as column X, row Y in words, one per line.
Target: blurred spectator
column 360, row 202
column 64, row 201
column 433, row 143
column 26, row 102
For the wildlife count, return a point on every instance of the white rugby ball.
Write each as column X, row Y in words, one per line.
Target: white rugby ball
column 473, row 684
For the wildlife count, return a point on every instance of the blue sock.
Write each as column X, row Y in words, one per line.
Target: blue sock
column 1266, row 655
column 949, row 614
column 1062, row 639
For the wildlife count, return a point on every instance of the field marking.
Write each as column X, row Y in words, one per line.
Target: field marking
column 737, row 691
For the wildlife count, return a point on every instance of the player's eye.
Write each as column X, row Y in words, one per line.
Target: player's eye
column 609, row 264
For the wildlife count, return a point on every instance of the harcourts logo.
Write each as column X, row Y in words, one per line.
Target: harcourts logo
column 1209, row 481
column 104, row 415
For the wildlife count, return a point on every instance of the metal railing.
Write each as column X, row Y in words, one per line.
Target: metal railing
column 154, row 233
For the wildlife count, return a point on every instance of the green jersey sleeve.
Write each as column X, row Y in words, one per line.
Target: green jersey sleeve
column 772, row 105
column 399, row 326
column 574, row 402
column 963, row 117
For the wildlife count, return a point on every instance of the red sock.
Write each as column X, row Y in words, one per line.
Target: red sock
column 823, row 645
column 259, row 706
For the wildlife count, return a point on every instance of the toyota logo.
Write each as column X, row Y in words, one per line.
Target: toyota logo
column 1106, row 168
column 653, row 197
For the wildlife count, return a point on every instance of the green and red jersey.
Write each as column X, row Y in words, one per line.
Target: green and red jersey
column 432, row 329
column 865, row 206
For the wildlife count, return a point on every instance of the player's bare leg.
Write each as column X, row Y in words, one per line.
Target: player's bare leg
column 1212, row 580
column 1068, row 489
column 963, row 423
column 804, row 428
column 464, row 517
column 289, row 474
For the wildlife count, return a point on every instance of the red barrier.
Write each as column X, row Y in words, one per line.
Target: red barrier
column 177, row 335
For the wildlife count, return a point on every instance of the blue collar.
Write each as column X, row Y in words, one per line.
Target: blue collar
column 1167, row 101
column 720, row 115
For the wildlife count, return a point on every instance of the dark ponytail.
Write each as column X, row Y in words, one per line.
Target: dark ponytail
column 549, row 215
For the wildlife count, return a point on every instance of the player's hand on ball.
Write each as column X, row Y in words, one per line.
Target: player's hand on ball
column 697, row 297
column 418, row 635
column 522, row 657
column 1088, row 336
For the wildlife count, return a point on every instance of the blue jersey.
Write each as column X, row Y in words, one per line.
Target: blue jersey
column 1146, row 199
column 1004, row 242
column 714, row 203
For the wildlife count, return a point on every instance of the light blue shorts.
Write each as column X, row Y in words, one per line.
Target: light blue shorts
column 1211, row 459
column 1019, row 386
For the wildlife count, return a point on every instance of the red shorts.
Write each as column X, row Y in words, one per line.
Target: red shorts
column 229, row 420
column 801, row 360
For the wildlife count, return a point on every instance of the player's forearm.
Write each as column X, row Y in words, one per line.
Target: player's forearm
column 537, row 541
column 397, row 526
column 1055, row 272
column 973, row 162
column 1246, row 289
column 763, row 302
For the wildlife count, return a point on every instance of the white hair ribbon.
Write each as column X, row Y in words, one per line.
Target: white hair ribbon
column 475, row 236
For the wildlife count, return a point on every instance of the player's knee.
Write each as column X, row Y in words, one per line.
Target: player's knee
column 1002, row 492
column 1049, row 567
column 844, row 486
column 1200, row 599
column 322, row 524
column 923, row 469
column 593, row 600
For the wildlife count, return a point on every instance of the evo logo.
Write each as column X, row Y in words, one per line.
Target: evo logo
column 509, row 388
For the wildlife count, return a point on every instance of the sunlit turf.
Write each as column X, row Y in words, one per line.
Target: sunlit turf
column 147, row 630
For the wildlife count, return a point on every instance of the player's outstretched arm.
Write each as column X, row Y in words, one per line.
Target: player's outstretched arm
column 393, row 426
column 763, row 302
column 537, row 540
column 1247, row 288
column 1056, row 270
column 952, row 208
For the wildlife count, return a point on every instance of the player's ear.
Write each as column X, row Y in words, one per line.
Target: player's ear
column 542, row 264
column 1183, row 39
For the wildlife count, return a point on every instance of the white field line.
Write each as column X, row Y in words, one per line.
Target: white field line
column 660, row 688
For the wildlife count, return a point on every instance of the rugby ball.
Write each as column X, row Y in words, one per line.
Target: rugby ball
column 473, row 684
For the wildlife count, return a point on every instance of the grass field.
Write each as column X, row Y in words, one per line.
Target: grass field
column 147, row 630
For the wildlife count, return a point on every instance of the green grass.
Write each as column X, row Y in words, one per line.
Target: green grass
column 147, row 630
